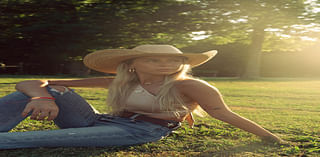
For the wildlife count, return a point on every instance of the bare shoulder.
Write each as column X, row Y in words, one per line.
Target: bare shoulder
column 192, row 83
column 195, row 86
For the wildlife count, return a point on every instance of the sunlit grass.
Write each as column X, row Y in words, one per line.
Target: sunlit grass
column 288, row 107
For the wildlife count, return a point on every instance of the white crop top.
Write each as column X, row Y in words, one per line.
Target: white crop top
column 143, row 102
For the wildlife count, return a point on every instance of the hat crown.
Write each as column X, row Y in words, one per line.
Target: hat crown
column 157, row 49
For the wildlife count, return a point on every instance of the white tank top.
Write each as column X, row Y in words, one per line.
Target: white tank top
column 143, row 102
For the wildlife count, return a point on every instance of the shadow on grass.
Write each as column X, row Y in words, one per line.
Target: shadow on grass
column 252, row 149
column 63, row 151
column 246, row 150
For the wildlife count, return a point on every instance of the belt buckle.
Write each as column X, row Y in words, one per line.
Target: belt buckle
column 133, row 117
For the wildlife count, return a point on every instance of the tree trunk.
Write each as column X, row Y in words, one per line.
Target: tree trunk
column 252, row 68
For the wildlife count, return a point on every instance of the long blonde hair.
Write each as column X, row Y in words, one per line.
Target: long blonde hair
column 125, row 82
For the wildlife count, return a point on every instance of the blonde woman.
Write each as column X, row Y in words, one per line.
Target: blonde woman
column 150, row 96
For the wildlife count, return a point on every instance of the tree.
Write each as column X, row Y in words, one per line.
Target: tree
column 34, row 32
column 50, row 32
column 54, row 30
column 248, row 21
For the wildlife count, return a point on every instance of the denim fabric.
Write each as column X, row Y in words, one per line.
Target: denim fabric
column 80, row 125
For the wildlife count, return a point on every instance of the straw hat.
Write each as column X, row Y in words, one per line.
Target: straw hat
column 107, row 60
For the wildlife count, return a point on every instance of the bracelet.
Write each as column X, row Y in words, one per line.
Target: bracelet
column 46, row 98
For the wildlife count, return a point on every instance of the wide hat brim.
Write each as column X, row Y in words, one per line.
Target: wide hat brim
column 107, row 60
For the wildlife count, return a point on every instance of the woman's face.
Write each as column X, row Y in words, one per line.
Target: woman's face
column 160, row 65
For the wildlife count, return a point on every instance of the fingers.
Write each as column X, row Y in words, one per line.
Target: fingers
column 35, row 114
column 41, row 112
column 272, row 139
column 52, row 115
column 26, row 111
column 43, row 115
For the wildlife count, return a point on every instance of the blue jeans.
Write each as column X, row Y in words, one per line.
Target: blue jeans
column 79, row 125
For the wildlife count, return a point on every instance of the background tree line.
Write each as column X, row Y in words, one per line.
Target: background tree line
column 50, row 36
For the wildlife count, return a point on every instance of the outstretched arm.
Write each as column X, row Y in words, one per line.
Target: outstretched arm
column 102, row 82
column 209, row 98
column 35, row 88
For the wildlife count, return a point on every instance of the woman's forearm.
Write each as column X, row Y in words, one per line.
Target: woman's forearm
column 242, row 123
column 88, row 82
column 33, row 88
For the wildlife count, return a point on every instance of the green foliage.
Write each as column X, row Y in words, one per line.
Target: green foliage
column 286, row 107
column 46, row 34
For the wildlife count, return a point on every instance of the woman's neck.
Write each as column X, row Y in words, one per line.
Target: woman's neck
column 151, row 80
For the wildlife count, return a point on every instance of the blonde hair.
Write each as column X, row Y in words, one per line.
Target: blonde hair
column 125, row 82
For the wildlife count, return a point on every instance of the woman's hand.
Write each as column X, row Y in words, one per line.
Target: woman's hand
column 272, row 139
column 41, row 109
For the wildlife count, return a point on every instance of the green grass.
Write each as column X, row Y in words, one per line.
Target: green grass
column 287, row 107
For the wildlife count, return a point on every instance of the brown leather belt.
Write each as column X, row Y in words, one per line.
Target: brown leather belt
column 137, row 116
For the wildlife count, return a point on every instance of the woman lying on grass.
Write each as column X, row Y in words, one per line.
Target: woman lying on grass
column 150, row 95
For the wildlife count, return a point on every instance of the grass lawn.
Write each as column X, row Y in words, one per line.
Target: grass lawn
column 287, row 107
